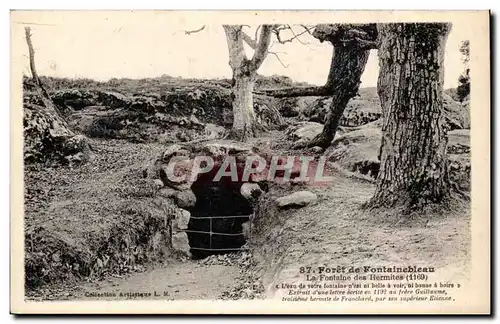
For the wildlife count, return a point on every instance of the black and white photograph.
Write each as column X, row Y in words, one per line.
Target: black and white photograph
column 324, row 164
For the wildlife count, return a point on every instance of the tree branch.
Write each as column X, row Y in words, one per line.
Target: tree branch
column 257, row 32
column 295, row 36
column 247, row 39
column 313, row 91
column 277, row 31
column 189, row 32
column 361, row 35
column 361, row 43
column 278, row 58
column 262, row 46
column 308, row 29
column 234, row 38
column 44, row 95
column 253, row 44
column 31, row 51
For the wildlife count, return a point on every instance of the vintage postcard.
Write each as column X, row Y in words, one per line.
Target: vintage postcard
column 238, row 162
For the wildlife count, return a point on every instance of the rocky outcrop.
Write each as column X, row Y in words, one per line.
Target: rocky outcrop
column 137, row 126
column 177, row 114
column 357, row 151
column 360, row 110
column 47, row 138
column 364, row 109
column 75, row 99
column 457, row 114
column 459, row 159
column 113, row 99
column 314, row 110
column 303, row 131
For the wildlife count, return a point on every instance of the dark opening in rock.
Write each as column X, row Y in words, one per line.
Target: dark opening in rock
column 219, row 213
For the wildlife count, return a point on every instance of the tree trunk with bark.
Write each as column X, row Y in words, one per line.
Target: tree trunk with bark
column 244, row 123
column 244, row 75
column 351, row 47
column 349, row 63
column 414, row 167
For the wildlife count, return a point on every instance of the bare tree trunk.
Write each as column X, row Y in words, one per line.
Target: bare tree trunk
column 44, row 95
column 244, row 124
column 27, row 31
column 244, row 74
column 414, row 167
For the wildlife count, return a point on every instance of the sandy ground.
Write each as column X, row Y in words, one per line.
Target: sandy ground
column 178, row 281
column 332, row 232
column 336, row 231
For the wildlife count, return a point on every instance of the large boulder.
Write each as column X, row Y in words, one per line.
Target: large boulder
column 303, row 107
column 459, row 159
column 361, row 111
column 113, row 99
column 87, row 120
column 75, row 99
column 358, row 150
column 185, row 199
column 296, row 199
column 315, row 109
column 457, row 114
column 303, row 131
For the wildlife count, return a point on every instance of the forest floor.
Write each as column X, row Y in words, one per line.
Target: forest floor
column 331, row 232
column 338, row 231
